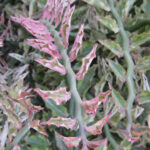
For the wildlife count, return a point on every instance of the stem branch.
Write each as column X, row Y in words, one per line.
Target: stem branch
column 130, row 64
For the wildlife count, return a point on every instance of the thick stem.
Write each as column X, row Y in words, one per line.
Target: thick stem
column 72, row 83
column 130, row 64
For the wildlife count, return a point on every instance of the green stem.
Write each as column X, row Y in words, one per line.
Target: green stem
column 21, row 133
column 130, row 64
column 71, row 81
column 110, row 138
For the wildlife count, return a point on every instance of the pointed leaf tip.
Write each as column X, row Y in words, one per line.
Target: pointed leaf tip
column 58, row 96
column 44, row 46
column 61, row 122
column 77, row 44
column 69, row 141
column 91, row 106
column 96, row 129
column 66, row 23
column 86, row 61
column 52, row 64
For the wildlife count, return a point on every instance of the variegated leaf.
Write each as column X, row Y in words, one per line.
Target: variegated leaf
column 44, row 46
column 109, row 23
column 96, row 144
column 38, row 127
column 113, row 46
column 52, row 64
column 66, row 23
column 77, row 44
column 86, row 61
column 69, row 141
column 96, row 129
column 99, row 4
column 91, row 106
column 61, row 122
column 35, row 27
column 58, row 96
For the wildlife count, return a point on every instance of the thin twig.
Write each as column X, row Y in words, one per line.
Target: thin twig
column 130, row 64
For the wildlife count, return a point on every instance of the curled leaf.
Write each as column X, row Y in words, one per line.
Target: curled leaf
column 61, row 122
column 36, row 28
column 91, row 106
column 69, row 141
column 96, row 129
column 96, row 144
column 118, row 70
column 66, row 23
column 128, row 136
column 77, row 44
column 52, row 64
column 86, row 61
column 38, row 127
column 58, row 96
column 109, row 23
column 44, row 46
column 113, row 46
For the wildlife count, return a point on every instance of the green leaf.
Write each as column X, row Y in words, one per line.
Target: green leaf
column 143, row 64
column 98, row 4
column 143, row 97
column 85, row 84
column 109, row 23
column 139, row 39
column 113, row 46
column 37, row 141
column 118, row 70
column 128, row 6
column 58, row 110
column 17, row 57
column 119, row 100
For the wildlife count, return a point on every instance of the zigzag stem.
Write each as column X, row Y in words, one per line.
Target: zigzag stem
column 130, row 65
column 71, row 81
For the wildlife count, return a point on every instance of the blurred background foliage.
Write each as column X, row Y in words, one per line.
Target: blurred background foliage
column 103, row 73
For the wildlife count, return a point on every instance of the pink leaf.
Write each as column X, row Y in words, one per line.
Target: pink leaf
column 86, row 61
column 69, row 141
column 61, row 122
column 35, row 27
column 129, row 137
column 52, row 64
column 38, row 127
column 95, row 144
column 16, row 147
column 91, row 106
column 2, row 18
column 58, row 96
column 96, row 129
column 44, row 46
column 66, row 23
column 77, row 44
column 139, row 130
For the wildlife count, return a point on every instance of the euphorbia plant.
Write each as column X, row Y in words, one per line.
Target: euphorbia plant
column 55, row 42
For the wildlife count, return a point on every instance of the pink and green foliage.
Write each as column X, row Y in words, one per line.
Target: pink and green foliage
column 58, row 96
column 69, row 141
column 75, row 107
column 96, row 128
column 61, row 122
column 77, row 44
column 86, row 61
column 52, row 64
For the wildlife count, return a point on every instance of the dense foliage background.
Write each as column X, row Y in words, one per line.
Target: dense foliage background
column 19, row 73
